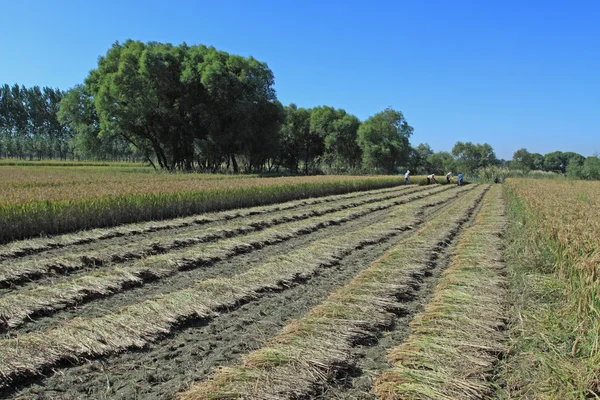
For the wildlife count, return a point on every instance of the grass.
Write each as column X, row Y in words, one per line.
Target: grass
column 455, row 342
column 309, row 352
column 136, row 325
column 55, row 200
column 554, row 263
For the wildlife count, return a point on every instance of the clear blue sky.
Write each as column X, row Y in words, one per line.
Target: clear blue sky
column 510, row 73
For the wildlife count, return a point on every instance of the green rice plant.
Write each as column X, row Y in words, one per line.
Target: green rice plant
column 39, row 211
column 554, row 263
column 38, row 245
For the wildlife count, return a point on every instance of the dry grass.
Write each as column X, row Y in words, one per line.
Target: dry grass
column 135, row 325
column 455, row 342
column 309, row 352
column 16, row 307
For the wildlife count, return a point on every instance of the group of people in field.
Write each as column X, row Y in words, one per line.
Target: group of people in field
column 431, row 178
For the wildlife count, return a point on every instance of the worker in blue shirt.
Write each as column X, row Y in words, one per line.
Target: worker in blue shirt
column 460, row 179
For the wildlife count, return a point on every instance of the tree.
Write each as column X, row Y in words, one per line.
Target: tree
column 418, row 158
column 470, row 157
column 297, row 143
column 589, row 169
column 186, row 103
column 441, row 163
column 523, row 160
column 384, row 140
column 555, row 162
column 538, row 161
column 339, row 132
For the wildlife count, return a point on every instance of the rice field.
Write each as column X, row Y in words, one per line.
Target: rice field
column 51, row 200
column 383, row 292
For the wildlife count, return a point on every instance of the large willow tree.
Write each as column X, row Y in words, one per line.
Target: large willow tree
column 186, row 104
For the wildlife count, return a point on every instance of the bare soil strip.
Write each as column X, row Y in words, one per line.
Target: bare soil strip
column 26, row 247
column 137, row 325
column 302, row 361
column 72, row 258
column 455, row 343
column 17, row 307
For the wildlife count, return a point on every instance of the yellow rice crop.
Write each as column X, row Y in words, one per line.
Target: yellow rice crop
column 48, row 200
column 566, row 215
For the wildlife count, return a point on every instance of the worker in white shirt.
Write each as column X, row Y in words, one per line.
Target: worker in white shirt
column 431, row 179
column 448, row 176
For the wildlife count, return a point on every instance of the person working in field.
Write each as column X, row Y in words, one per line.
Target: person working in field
column 460, row 179
column 407, row 177
column 448, row 176
column 431, row 179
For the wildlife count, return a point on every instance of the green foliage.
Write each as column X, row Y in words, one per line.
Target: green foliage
column 589, row 169
column 383, row 139
column 471, row 157
column 523, row 160
column 441, row 163
column 187, row 104
column 29, row 127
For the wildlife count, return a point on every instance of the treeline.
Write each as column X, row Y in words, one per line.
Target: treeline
column 196, row 108
column 568, row 163
column 29, row 126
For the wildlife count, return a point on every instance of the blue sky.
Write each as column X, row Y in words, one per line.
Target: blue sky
column 510, row 73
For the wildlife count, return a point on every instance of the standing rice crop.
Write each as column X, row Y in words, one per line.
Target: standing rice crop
column 38, row 201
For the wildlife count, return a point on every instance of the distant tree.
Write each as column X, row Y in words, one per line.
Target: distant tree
column 298, row 144
column 442, row 163
column 538, row 161
column 418, row 158
column 338, row 130
column 555, row 162
column 78, row 114
column 523, row 160
column 589, row 169
column 384, row 140
column 186, row 103
column 470, row 157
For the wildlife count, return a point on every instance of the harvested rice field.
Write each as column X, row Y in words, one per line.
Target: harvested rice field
column 316, row 298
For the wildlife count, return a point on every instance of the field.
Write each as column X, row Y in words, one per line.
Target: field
column 400, row 292
column 48, row 199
